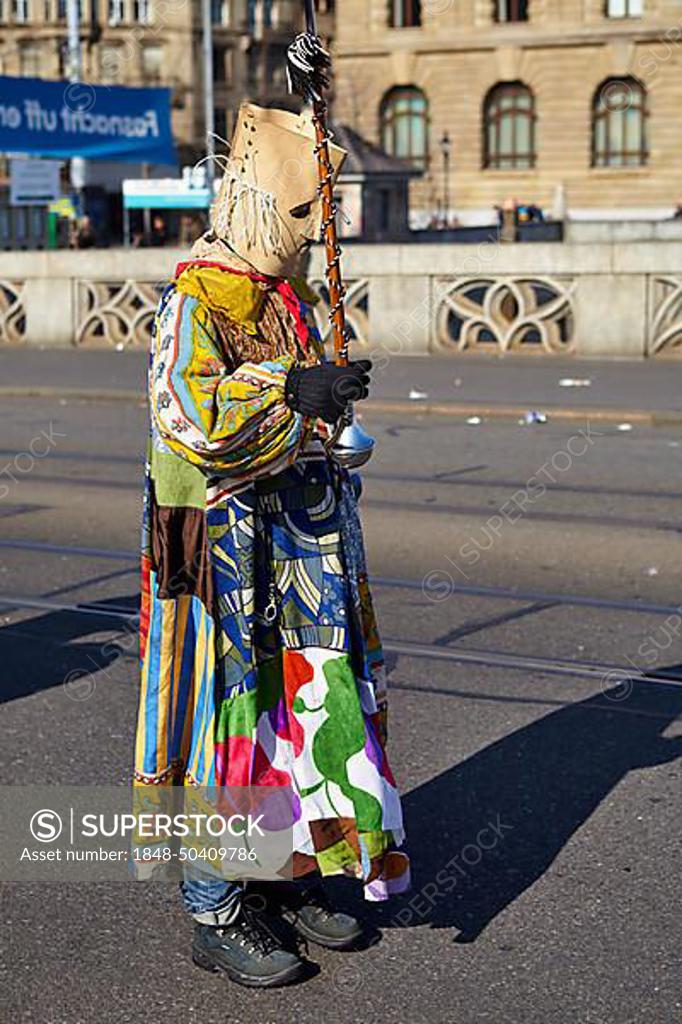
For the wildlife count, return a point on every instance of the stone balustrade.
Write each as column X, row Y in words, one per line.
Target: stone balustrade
column 593, row 299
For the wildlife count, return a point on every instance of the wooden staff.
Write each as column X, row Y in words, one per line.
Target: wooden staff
column 337, row 292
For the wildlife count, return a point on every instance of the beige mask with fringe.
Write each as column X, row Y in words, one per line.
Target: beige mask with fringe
column 268, row 209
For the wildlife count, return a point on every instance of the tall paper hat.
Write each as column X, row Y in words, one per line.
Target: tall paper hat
column 268, row 208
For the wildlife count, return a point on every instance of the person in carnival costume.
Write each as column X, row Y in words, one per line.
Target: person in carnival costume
column 261, row 663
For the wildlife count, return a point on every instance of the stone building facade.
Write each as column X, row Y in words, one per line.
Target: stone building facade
column 557, row 102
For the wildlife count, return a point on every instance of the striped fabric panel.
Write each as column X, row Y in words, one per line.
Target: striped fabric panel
column 176, row 718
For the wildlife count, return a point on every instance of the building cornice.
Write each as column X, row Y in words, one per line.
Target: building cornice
column 420, row 43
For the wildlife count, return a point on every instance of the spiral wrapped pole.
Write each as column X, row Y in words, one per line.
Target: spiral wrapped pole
column 308, row 66
column 337, row 291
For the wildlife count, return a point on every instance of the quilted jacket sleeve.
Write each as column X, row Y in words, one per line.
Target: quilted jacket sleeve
column 230, row 422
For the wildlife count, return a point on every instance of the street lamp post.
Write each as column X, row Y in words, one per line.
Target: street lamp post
column 446, row 150
column 77, row 168
column 209, row 109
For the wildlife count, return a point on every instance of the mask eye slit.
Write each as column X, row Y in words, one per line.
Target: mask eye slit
column 301, row 211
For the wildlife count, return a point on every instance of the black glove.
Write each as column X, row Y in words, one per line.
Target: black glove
column 324, row 391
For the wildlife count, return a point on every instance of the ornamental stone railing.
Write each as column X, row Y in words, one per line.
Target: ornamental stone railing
column 601, row 299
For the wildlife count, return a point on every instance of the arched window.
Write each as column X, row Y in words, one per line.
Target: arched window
column 509, row 127
column 404, row 124
column 619, row 116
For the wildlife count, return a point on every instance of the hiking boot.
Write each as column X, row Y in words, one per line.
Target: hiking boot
column 310, row 913
column 247, row 951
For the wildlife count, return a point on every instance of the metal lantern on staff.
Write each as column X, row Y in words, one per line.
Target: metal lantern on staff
column 308, row 67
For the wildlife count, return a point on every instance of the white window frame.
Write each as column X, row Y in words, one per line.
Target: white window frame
column 116, row 14
column 619, row 9
column 146, row 73
column 21, row 12
column 142, row 12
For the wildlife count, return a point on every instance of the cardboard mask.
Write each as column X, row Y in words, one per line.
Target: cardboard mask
column 268, row 208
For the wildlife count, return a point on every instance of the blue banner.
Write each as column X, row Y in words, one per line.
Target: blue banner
column 99, row 122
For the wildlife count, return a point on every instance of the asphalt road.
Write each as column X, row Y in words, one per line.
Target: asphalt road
column 524, row 575
column 530, row 381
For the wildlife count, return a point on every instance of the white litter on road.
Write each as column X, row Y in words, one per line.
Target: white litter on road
column 532, row 418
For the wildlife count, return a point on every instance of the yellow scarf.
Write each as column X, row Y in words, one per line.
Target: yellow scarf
column 235, row 295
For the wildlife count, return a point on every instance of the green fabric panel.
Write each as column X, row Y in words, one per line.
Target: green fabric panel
column 341, row 736
column 177, row 483
column 376, row 843
column 335, row 858
column 238, row 716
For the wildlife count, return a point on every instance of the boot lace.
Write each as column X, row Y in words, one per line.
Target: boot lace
column 254, row 934
column 318, row 900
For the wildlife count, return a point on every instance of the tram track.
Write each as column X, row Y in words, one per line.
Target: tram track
column 459, row 478
column 430, row 506
column 611, row 675
column 385, row 582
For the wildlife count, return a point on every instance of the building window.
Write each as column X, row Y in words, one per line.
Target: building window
column 117, row 13
column 55, row 10
column 511, row 10
column 509, row 127
column 405, row 13
column 21, row 12
column 404, row 125
column 152, row 62
column 142, row 12
column 110, row 64
column 258, row 16
column 219, row 64
column 219, row 12
column 624, row 8
column 619, row 114
column 220, row 122
column 30, row 60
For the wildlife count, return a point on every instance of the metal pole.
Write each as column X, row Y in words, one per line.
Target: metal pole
column 209, row 109
column 73, row 39
column 310, row 18
column 77, row 169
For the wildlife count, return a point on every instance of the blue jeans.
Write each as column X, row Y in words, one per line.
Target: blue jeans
column 212, row 900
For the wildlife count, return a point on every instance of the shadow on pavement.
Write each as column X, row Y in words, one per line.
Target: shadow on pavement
column 483, row 832
column 46, row 650
column 479, row 834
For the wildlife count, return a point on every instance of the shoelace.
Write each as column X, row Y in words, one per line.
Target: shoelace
column 317, row 899
column 254, row 934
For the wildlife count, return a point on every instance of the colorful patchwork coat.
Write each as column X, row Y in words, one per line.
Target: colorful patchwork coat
column 261, row 663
